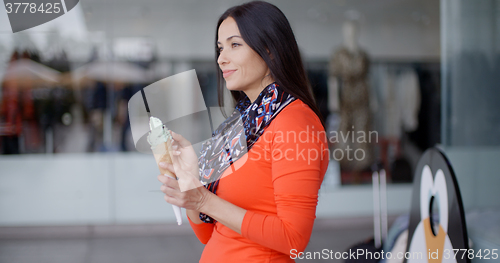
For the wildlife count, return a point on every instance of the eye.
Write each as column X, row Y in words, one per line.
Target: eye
column 219, row 49
column 235, row 44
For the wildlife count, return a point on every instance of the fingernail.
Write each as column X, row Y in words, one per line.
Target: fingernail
column 175, row 147
column 162, row 164
column 177, row 152
column 169, row 176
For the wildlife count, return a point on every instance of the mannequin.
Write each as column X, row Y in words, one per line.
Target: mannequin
column 350, row 34
column 349, row 96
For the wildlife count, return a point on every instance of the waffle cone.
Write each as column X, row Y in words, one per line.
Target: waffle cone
column 162, row 154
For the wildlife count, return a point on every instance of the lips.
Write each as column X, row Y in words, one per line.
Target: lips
column 227, row 73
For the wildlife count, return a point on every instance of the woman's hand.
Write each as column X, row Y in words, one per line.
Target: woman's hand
column 184, row 163
column 189, row 193
column 186, row 191
column 193, row 199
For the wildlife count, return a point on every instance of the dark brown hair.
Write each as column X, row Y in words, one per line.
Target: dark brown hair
column 267, row 31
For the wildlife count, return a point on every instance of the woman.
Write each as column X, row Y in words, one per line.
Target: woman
column 265, row 210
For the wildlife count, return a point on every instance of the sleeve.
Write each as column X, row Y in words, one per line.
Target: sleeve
column 298, row 167
column 202, row 231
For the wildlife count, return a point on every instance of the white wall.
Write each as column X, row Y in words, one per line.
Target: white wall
column 80, row 189
column 121, row 188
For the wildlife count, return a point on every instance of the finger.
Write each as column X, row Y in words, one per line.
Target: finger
column 175, row 146
column 168, row 166
column 175, row 156
column 180, row 168
column 172, row 183
column 180, row 139
column 162, row 178
column 164, row 188
column 172, row 200
column 170, row 191
column 175, row 153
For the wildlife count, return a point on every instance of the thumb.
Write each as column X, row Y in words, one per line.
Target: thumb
column 180, row 139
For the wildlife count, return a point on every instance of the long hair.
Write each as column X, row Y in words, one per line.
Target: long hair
column 267, row 31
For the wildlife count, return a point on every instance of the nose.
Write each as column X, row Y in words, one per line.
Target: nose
column 222, row 59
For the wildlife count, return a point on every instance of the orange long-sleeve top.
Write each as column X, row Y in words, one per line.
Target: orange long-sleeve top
column 277, row 182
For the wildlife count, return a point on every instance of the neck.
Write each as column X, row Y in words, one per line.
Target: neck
column 351, row 45
column 254, row 93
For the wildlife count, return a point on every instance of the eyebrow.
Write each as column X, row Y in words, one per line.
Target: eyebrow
column 229, row 38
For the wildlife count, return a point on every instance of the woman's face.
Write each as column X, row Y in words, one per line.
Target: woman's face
column 242, row 68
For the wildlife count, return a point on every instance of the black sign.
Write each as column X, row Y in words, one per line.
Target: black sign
column 28, row 14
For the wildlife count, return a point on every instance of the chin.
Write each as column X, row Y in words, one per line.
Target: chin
column 232, row 87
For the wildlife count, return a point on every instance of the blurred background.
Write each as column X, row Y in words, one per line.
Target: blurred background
column 74, row 189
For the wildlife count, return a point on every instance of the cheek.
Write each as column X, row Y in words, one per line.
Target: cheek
column 263, row 66
column 250, row 61
column 249, row 64
column 258, row 64
column 259, row 67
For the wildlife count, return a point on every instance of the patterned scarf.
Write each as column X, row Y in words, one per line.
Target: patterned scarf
column 227, row 143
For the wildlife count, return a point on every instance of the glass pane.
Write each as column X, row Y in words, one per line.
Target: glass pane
column 471, row 62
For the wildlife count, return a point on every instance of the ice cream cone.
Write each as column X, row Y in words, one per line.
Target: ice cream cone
column 160, row 139
column 161, row 153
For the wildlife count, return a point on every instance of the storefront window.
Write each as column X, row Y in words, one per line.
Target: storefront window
column 470, row 72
